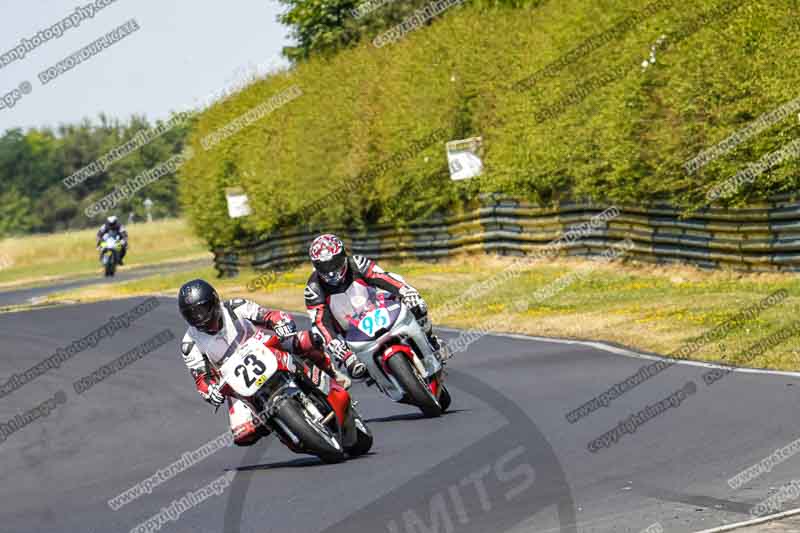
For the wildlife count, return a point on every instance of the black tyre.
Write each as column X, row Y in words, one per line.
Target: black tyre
column 315, row 438
column 444, row 399
column 417, row 391
column 364, row 440
column 110, row 267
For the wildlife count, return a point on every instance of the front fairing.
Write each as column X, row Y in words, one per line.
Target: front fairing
column 358, row 300
column 405, row 330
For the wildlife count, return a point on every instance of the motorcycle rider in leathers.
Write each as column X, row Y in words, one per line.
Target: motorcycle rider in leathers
column 334, row 273
column 113, row 226
column 217, row 329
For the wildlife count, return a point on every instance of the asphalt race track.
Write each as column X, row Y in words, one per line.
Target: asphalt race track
column 26, row 295
column 504, row 459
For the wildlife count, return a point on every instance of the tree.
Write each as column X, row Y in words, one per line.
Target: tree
column 34, row 163
column 17, row 216
column 321, row 27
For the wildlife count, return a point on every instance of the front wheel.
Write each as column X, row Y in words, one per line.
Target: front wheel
column 315, row 437
column 444, row 398
column 109, row 265
column 417, row 391
column 364, row 437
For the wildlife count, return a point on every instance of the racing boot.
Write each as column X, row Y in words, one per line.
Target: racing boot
column 439, row 348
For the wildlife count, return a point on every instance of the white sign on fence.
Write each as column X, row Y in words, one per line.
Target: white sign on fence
column 238, row 205
column 464, row 158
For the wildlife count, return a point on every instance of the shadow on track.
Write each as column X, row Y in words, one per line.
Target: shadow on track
column 518, row 472
column 411, row 416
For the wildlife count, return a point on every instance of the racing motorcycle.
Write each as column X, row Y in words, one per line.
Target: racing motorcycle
column 308, row 411
column 110, row 250
column 384, row 334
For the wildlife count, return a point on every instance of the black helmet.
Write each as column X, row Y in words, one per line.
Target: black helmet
column 199, row 304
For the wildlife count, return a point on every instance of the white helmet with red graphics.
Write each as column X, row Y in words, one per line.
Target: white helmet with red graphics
column 329, row 258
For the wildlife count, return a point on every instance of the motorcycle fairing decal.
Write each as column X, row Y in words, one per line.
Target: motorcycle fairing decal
column 251, row 366
column 285, row 361
column 318, row 378
column 372, row 322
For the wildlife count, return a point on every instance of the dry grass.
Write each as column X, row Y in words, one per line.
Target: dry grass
column 43, row 258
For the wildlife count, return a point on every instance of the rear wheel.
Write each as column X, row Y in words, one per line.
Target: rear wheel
column 417, row 391
column 315, row 437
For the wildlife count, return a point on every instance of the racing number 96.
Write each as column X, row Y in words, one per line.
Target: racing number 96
column 375, row 321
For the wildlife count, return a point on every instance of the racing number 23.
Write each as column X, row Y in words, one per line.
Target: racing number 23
column 251, row 362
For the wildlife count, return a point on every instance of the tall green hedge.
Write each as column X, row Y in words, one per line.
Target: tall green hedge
column 596, row 125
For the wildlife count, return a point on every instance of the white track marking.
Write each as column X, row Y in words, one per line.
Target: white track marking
column 630, row 353
column 753, row 522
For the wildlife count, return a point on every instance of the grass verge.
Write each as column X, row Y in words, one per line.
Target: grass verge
column 42, row 258
column 650, row 308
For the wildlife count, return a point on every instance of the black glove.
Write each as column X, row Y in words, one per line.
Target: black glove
column 355, row 368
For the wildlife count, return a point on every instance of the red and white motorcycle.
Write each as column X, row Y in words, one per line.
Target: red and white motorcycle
column 385, row 336
column 309, row 412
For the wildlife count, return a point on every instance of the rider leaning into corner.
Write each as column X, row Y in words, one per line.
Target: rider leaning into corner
column 217, row 329
column 113, row 227
column 334, row 274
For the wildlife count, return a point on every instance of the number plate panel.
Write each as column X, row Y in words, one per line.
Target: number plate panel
column 249, row 368
column 374, row 321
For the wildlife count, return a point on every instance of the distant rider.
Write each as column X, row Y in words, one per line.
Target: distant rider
column 335, row 273
column 217, row 329
column 113, row 227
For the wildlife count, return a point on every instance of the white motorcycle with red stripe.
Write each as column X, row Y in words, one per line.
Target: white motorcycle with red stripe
column 308, row 411
column 384, row 334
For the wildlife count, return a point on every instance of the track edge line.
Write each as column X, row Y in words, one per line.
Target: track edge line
column 753, row 522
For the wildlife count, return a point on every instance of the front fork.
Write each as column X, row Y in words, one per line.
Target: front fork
column 338, row 400
column 402, row 350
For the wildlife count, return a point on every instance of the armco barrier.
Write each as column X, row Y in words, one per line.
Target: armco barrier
column 762, row 238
